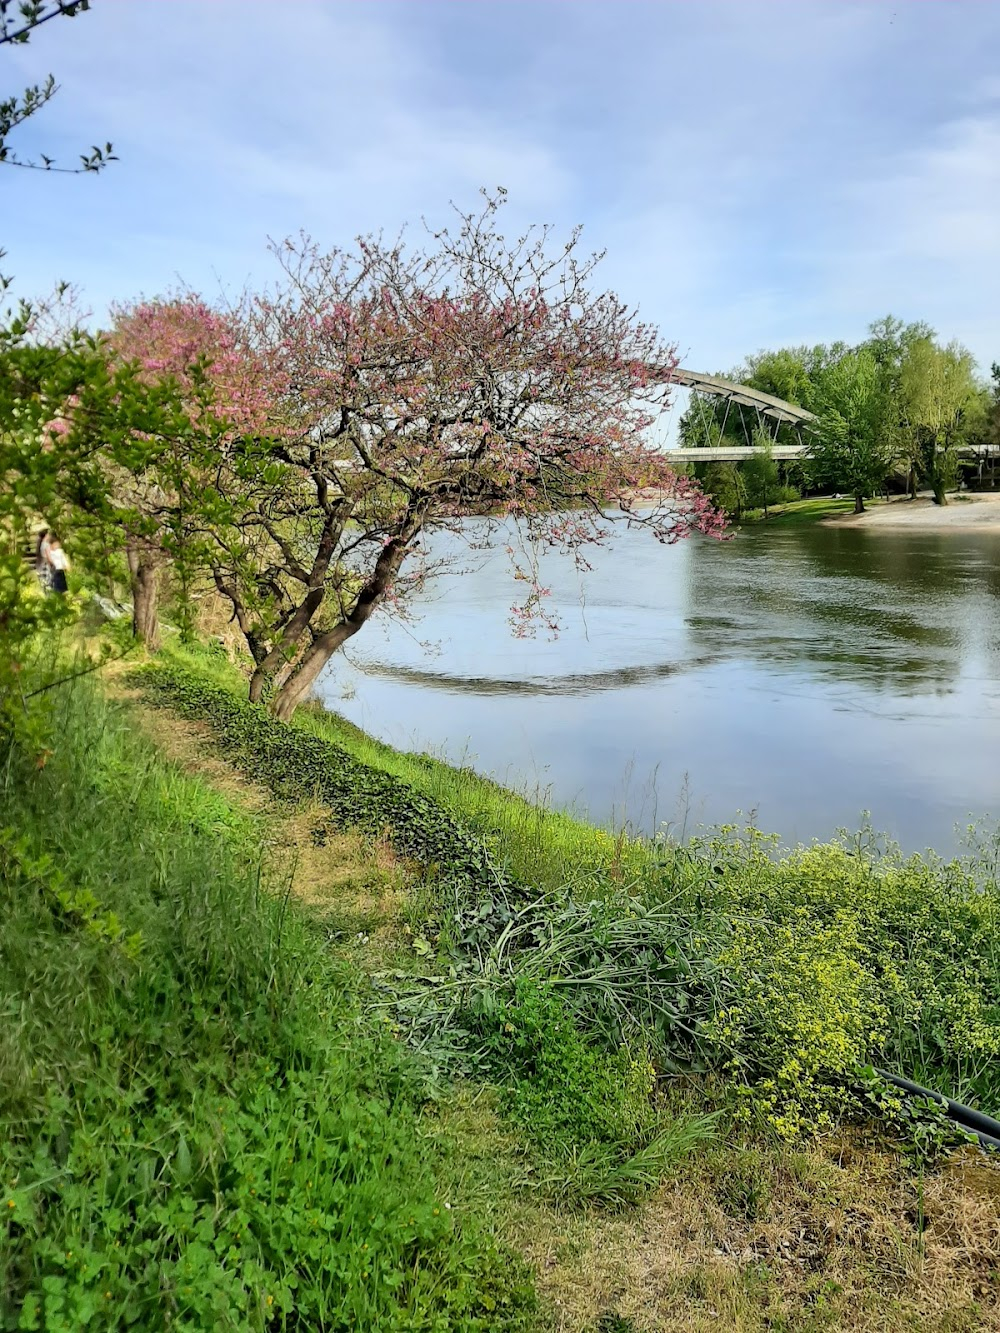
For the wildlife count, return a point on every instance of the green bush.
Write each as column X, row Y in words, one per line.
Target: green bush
column 560, row 1088
column 842, row 955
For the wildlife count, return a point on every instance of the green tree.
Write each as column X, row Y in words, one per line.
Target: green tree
column 725, row 484
column 938, row 392
column 38, row 471
column 760, row 475
column 855, row 446
column 783, row 373
column 889, row 339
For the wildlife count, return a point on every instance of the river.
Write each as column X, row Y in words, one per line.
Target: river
column 801, row 674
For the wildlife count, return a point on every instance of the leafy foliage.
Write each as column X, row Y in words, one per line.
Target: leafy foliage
column 856, row 446
column 36, row 474
column 896, row 398
column 19, row 19
column 938, row 392
column 846, row 954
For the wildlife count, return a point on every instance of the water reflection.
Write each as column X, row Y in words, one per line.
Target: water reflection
column 809, row 673
column 587, row 682
column 883, row 612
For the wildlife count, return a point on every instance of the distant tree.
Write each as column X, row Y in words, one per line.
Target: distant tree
column 471, row 379
column 724, row 484
column 889, row 340
column 938, row 390
column 854, row 449
column 761, row 477
column 783, row 373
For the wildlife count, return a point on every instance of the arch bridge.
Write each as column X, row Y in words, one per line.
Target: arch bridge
column 768, row 408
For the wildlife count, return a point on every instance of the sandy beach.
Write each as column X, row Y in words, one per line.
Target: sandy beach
column 964, row 513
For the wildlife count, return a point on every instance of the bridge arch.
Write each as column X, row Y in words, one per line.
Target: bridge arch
column 766, row 406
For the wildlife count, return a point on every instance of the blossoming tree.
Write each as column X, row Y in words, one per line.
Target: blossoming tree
column 189, row 389
column 412, row 390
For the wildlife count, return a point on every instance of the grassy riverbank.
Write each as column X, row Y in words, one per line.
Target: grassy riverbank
column 202, row 1129
column 813, row 509
column 347, row 984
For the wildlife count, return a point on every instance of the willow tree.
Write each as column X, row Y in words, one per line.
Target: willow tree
column 414, row 389
column 938, row 389
column 855, row 445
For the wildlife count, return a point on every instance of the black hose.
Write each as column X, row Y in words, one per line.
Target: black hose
column 984, row 1127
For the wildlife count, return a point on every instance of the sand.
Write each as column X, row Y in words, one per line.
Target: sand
column 964, row 513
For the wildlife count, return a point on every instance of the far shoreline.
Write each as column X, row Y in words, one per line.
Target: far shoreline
column 975, row 512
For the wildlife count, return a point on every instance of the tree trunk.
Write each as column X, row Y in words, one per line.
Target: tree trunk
column 258, row 683
column 859, row 503
column 940, row 498
column 301, row 680
column 264, row 677
column 145, row 583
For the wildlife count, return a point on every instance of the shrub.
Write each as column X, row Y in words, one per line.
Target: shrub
column 560, row 1088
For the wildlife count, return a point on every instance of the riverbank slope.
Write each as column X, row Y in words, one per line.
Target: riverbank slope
column 365, row 1003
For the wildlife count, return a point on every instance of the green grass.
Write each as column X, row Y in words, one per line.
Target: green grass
column 810, row 510
column 540, row 846
column 199, row 1129
column 203, row 1129
column 789, row 971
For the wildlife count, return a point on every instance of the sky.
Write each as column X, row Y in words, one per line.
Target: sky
column 760, row 174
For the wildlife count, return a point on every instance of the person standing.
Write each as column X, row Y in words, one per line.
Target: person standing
column 59, row 561
column 42, row 566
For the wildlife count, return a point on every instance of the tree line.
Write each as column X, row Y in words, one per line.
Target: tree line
column 894, row 409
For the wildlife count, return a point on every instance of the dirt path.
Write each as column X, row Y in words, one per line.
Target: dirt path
column 354, row 883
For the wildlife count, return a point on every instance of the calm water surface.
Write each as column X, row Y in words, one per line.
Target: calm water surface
column 807, row 674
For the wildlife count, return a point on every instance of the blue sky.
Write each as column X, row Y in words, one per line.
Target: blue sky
column 760, row 173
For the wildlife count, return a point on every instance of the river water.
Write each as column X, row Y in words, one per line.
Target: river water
column 802, row 674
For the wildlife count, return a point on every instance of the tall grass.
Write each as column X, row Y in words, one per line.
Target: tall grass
column 198, row 1129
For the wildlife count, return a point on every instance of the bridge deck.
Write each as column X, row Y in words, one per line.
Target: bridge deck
column 736, row 453
column 785, row 453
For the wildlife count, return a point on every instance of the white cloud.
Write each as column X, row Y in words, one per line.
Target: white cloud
column 759, row 173
column 920, row 235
